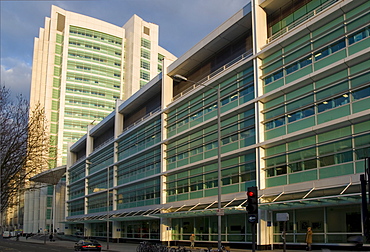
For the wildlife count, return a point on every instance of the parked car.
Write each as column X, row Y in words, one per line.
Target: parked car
column 7, row 234
column 87, row 245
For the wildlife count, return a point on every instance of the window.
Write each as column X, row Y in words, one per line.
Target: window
column 229, row 99
column 336, row 158
column 145, row 54
column 83, row 68
column 303, row 165
column 144, row 75
column 361, row 93
column 273, row 77
column 146, row 30
column 298, row 65
column 275, row 123
column 246, row 91
column 160, row 58
column 145, row 43
column 145, row 64
column 332, row 103
column 74, row 43
column 301, row 114
column 330, row 49
column 359, row 35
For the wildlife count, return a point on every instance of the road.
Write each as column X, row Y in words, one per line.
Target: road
column 9, row 245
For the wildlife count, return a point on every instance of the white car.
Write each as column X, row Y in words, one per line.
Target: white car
column 7, row 234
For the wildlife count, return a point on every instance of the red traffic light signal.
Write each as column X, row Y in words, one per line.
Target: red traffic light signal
column 252, row 201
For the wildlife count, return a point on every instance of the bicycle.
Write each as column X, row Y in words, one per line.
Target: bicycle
column 223, row 249
column 180, row 249
column 148, row 247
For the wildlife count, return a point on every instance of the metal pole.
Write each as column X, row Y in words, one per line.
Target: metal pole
column 46, row 210
column 364, row 204
column 253, row 237
column 219, row 165
column 108, row 209
column 284, row 237
column 367, row 231
column 54, row 208
column 367, row 171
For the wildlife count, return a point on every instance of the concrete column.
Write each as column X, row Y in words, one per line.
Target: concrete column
column 87, row 229
column 165, row 230
column 167, row 95
column 116, row 230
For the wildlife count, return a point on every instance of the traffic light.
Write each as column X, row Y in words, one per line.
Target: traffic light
column 252, row 202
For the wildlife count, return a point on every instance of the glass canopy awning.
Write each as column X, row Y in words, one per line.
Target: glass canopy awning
column 314, row 197
column 275, row 201
column 166, row 211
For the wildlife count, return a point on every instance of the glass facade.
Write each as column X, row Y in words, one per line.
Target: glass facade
column 324, row 223
column 294, row 121
column 94, row 80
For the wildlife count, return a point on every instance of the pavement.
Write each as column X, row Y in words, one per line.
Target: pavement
column 131, row 247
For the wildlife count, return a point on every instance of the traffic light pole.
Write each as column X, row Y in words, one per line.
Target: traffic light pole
column 252, row 209
column 365, row 180
column 253, row 236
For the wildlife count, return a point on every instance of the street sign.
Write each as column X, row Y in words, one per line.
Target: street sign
column 220, row 212
column 282, row 216
column 252, row 218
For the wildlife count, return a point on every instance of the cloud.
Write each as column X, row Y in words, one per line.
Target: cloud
column 16, row 75
column 182, row 24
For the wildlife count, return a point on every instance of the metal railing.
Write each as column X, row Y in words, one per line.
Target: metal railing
column 301, row 20
column 214, row 73
column 150, row 114
column 100, row 146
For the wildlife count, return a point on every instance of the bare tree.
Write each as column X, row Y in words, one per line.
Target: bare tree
column 24, row 148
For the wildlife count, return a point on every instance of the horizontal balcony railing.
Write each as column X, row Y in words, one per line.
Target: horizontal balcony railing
column 150, row 114
column 214, row 73
column 301, row 20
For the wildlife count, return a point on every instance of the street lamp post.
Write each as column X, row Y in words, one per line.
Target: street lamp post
column 108, row 209
column 219, row 192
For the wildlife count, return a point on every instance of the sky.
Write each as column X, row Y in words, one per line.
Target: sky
column 182, row 24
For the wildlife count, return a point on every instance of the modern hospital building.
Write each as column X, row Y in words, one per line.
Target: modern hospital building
column 81, row 65
column 294, row 110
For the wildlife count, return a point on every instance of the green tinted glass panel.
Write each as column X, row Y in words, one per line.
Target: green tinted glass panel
column 299, row 92
column 59, row 38
column 296, row 43
column 338, row 133
column 297, row 54
column 302, row 143
column 358, row 22
column 332, row 90
column 274, row 102
column 356, row 11
column 276, row 149
column 300, row 103
column 362, row 140
column 362, row 79
column 272, row 57
column 56, row 71
column 361, row 127
column 332, row 78
column 58, row 49
column 329, row 26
